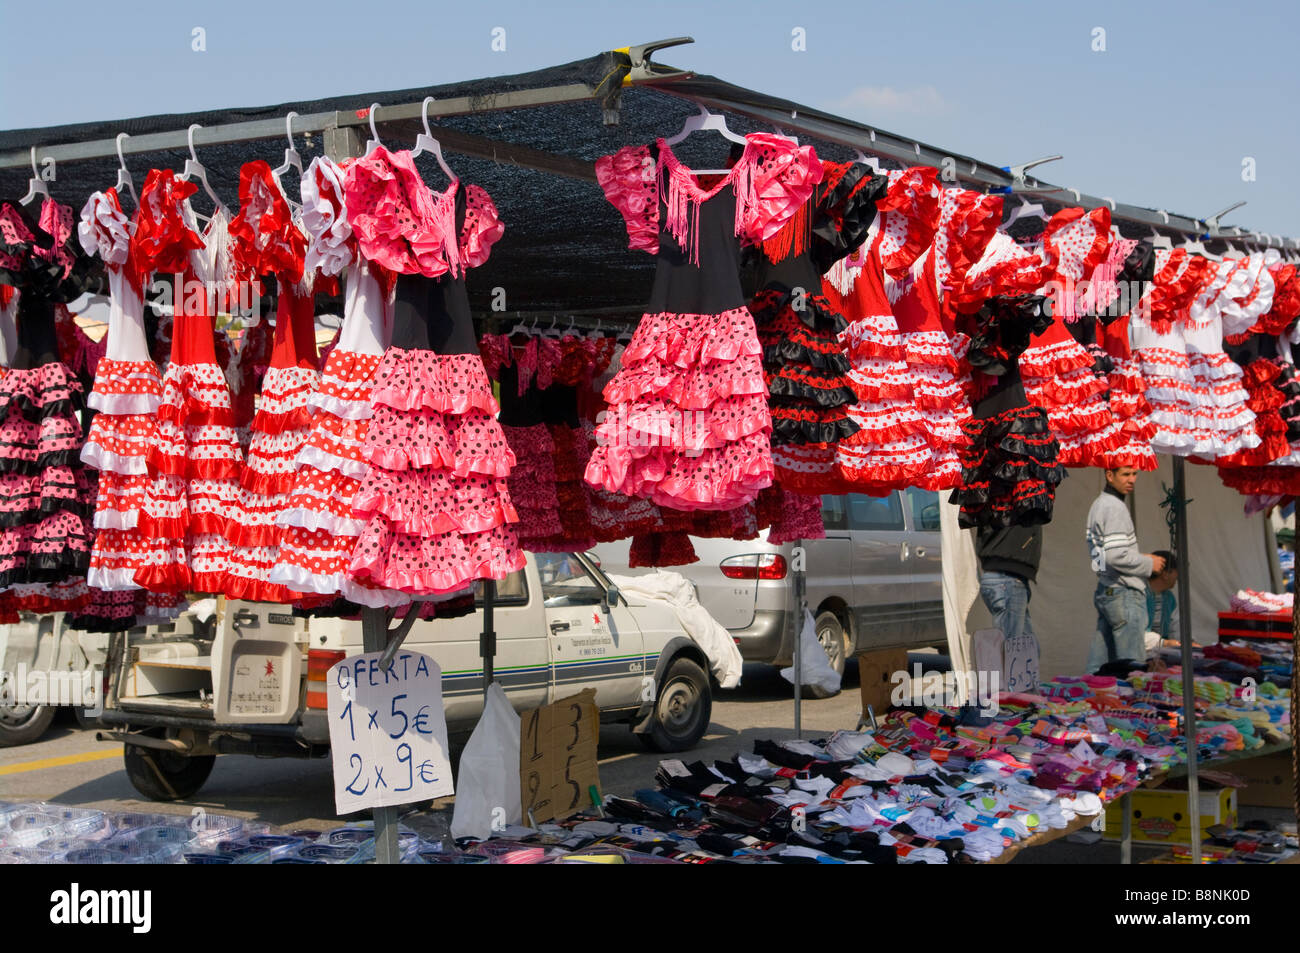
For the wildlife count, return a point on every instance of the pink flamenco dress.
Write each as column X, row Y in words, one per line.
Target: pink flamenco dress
column 318, row 530
column 434, row 496
column 193, row 458
column 1057, row 370
column 265, row 240
column 46, row 495
column 533, row 481
column 688, row 425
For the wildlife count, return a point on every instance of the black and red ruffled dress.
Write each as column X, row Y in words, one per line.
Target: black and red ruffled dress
column 1010, row 469
column 434, row 496
column 46, row 494
column 809, row 378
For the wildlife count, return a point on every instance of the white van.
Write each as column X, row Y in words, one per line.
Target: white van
column 252, row 680
column 873, row 582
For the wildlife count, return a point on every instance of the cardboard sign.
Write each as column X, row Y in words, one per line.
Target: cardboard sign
column 388, row 731
column 557, row 756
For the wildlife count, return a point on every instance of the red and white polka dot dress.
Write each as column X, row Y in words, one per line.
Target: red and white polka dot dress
column 127, row 392
column 1056, row 369
column 193, row 457
column 434, row 495
column 891, row 448
column 317, row 528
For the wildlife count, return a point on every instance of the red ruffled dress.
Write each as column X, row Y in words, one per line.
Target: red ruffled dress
column 437, row 509
column 193, row 457
column 687, row 424
column 933, row 371
column 318, row 530
column 45, row 493
column 265, row 240
column 126, row 394
column 563, row 366
column 1115, row 286
column 1058, row 371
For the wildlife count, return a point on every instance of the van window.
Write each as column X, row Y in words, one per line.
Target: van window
column 925, row 509
column 834, row 515
column 872, row 512
column 511, row 591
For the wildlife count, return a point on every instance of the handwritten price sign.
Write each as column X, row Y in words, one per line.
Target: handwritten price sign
column 388, row 732
column 557, row 756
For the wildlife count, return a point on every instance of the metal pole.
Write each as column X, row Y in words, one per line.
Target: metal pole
column 1185, row 638
column 487, row 646
column 374, row 638
column 1126, row 830
column 801, row 595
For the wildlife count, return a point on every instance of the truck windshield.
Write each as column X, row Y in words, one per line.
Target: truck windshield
column 566, row 582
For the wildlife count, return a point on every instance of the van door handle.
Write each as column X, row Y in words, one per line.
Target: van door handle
column 903, row 553
column 559, row 627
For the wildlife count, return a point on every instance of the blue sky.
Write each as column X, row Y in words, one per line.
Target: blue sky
column 1164, row 115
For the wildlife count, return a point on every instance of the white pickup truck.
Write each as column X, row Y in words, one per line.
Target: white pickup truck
column 252, row 680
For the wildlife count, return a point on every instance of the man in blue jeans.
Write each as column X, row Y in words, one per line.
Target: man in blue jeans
column 1122, row 574
column 1008, row 564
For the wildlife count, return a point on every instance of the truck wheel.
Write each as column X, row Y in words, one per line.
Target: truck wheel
column 682, row 710
column 835, row 641
column 23, row 724
column 165, row 775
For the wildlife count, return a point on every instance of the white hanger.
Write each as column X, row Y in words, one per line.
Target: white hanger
column 291, row 161
column 705, row 120
column 701, row 121
column 123, row 176
column 1025, row 209
column 519, row 328
column 374, row 142
column 870, row 161
column 1161, row 241
column 36, row 186
column 1194, row 246
column 291, row 158
column 194, row 169
column 425, row 142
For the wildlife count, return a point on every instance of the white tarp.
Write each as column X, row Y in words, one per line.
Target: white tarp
column 708, row 633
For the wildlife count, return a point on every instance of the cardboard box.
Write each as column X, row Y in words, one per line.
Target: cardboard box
column 1270, row 782
column 876, row 670
column 1160, row 814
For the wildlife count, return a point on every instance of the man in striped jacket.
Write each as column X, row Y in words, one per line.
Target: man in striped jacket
column 1122, row 574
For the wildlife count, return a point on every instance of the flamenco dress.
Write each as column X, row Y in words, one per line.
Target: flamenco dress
column 890, row 448
column 126, row 393
column 193, row 457
column 809, row 379
column 46, row 495
column 688, row 425
column 532, row 481
column 1199, row 406
column 317, row 528
column 265, row 240
column 1010, row 467
column 1057, row 371
column 434, row 496
column 1128, row 270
